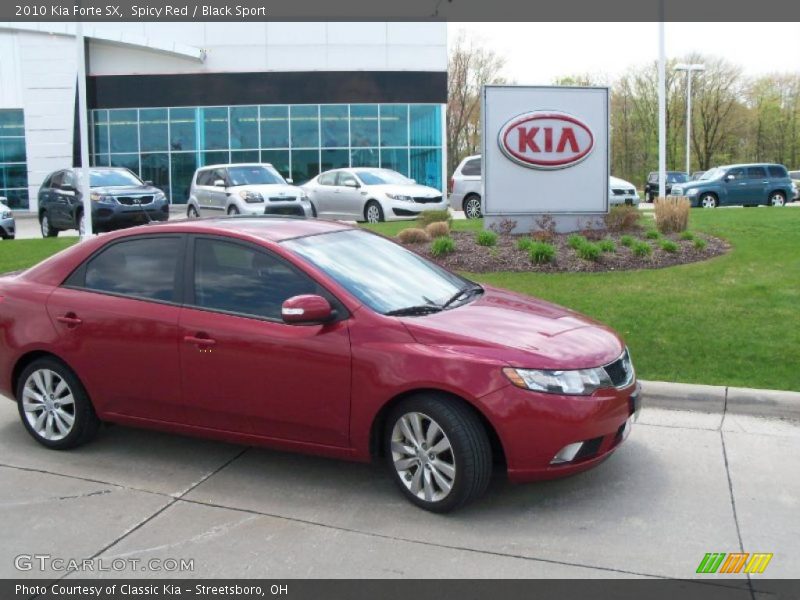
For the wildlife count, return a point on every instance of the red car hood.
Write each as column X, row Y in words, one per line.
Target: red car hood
column 520, row 331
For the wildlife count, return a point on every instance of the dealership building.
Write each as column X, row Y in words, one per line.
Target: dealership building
column 166, row 98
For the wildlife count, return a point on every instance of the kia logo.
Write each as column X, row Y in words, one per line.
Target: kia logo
column 546, row 140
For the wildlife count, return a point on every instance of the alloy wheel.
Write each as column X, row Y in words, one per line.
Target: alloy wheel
column 48, row 404
column 45, row 224
column 472, row 209
column 709, row 201
column 777, row 199
column 373, row 214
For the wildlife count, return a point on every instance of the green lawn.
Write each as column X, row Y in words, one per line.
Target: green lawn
column 733, row 320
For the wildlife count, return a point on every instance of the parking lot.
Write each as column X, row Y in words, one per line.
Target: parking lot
column 684, row 484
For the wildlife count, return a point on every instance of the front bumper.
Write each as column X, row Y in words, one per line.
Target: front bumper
column 534, row 428
column 292, row 208
column 399, row 210
column 616, row 200
column 118, row 217
column 8, row 227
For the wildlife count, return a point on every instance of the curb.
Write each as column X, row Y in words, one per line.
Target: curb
column 721, row 399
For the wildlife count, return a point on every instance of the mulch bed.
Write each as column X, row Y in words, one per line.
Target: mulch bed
column 471, row 257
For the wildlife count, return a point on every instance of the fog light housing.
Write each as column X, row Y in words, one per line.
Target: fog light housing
column 567, row 453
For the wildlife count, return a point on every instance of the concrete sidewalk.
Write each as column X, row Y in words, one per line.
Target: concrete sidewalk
column 682, row 485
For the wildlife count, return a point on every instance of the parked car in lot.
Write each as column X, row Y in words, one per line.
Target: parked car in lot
column 119, row 199
column 651, row 185
column 370, row 194
column 747, row 185
column 8, row 228
column 465, row 187
column 244, row 189
column 317, row 337
column 795, row 176
column 622, row 192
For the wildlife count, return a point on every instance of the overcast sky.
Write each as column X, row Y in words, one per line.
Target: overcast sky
column 537, row 53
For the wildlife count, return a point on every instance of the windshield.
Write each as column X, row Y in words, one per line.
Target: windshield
column 383, row 177
column 384, row 276
column 110, row 178
column 254, row 175
column 676, row 177
column 715, row 173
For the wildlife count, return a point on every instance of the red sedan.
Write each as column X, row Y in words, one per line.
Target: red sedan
column 315, row 337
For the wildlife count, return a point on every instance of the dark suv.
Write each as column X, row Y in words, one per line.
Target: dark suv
column 119, row 199
column 651, row 186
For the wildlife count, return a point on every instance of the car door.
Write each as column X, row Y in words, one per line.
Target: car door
column 757, row 184
column 735, row 186
column 324, row 197
column 242, row 368
column 350, row 198
column 201, row 190
column 58, row 203
column 218, row 194
column 118, row 317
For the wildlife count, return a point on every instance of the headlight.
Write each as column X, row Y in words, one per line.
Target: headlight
column 7, row 214
column 159, row 197
column 400, row 197
column 581, row 382
column 251, row 197
column 692, row 192
column 101, row 199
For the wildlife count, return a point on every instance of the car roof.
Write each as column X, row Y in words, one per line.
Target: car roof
column 229, row 165
column 749, row 165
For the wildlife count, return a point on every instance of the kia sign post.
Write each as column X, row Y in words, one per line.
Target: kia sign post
column 545, row 151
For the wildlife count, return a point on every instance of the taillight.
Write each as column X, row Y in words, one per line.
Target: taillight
column 450, row 185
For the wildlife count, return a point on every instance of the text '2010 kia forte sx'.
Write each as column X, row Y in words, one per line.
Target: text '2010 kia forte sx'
column 316, row 337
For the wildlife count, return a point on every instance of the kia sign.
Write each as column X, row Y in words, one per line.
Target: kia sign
column 545, row 151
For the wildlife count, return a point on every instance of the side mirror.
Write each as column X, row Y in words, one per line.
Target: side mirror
column 351, row 184
column 306, row 309
column 148, row 182
column 289, row 180
column 219, row 183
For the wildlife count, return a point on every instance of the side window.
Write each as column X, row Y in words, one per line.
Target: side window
column 204, row 178
column 55, row 180
column 68, row 179
column 235, row 278
column 142, row 268
column 738, row 173
column 347, row 179
column 756, row 172
column 777, row 172
column 472, row 167
column 220, row 174
column 327, row 179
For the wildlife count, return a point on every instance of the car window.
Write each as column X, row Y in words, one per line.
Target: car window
column 253, row 175
column 738, row 173
column 794, row 174
column 779, row 172
column 55, row 180
column 47, row 180
column 653, row 177
column 142, row 268
column 346, row 178
column 756, row 172
column 236, row 278
column 677, row 177
column 111, row 178
column 472, row 167
column 68, row 178
column 327, row 178
column 205, row 177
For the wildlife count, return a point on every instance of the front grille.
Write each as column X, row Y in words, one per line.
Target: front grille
column 434, row 200
column 589, row 449
column 282, row 198
column 402, row 212
column 620, row 371
column 134, row 200
column 618, row 191
column 295, row 211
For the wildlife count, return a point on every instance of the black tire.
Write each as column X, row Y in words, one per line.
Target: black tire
column 313, row 210
column 469, row 445
column 191, row 212
column 233, row 211
column 372, row 204
column 771, row 200
column 472, row 207
column 46, row 228
column 85, row 423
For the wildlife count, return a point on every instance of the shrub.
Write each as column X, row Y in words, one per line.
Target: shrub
column 545, row 228
column 504, row 226
column 442, row 246
column 486, row 238
column 700, row 244
column 412, row 235
column 672, row 214
column 669, row 246
column 588, row 251
column 627, row 240
column 433, row 216
column 525, row 244
column 542, row 252
column 652, row 234
column 575, row 241
column 593, row 230
column 622, row 218
column 607, row 245
column 640, row 248
column 438, row 229
column 687, row 235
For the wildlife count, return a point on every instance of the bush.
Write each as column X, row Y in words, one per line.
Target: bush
column 433, row 216
column 652, row 234
column 545, row 228
column 504, row 226
column 438, row 229
column 588, row 251
column 640, row 248
column 575, row 241
column 412, row 235
column 622, row 218
column 687, row 235
column 672, row 214
column 442, row 246
column 700, row 244
column 669, row 246
column 593, row 230
column 486, row 238
column 542, row 252
column 607, row 245
column 627, row 240
column 525, row 244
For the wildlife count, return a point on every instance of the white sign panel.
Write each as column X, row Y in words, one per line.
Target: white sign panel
column 545, row 150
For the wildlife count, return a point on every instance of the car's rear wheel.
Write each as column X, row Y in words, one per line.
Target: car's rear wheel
column 232, row 210
column 47, row 229
column 777, row 199
column 191, row 212
column 472, row 207
column 709, row 201
column 373, row 213
column 438, row 451
column 54, row 406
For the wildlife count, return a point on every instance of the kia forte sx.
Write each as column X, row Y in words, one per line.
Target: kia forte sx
column 315, row 337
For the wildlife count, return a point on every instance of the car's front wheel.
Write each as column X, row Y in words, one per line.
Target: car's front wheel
column 373, row 213
column 438, row 452
column 47, row 229
column 191, row 212
column 472, row 207
column 233, row 210
column 54, row 406
column 777, row 199
column 709, row 201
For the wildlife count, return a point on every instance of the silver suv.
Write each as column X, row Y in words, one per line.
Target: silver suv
column 245, row 189
column 465, row 187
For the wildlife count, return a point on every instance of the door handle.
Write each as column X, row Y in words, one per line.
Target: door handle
column 69, row 319
column 199, row 341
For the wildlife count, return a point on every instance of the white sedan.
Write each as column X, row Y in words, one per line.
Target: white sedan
column 369, row 194
column 622, row 192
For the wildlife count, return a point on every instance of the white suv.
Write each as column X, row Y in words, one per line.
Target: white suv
column 245, row 189
column 465, row 187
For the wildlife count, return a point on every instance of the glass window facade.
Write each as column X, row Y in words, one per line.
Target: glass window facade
column 13, row 159
column 166, row 145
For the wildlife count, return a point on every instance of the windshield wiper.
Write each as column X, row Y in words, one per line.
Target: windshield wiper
column 468, row 290
column 410, row 311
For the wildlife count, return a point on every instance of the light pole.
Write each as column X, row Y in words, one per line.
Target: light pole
column 689, row 68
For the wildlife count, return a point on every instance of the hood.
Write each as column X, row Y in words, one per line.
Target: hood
column 617, row 182
column 411, row 189
column 272, row 190
column 519, row 331
column 121, row 190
